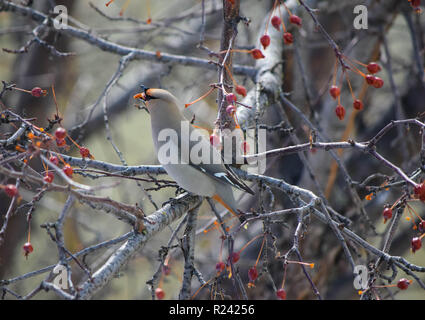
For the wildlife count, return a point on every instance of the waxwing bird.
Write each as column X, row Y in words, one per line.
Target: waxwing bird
column 209, row 177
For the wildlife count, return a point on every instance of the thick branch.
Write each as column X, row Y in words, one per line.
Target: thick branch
column 161, row 218
column 112, row 47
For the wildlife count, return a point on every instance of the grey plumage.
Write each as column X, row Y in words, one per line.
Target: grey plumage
column 210, row 179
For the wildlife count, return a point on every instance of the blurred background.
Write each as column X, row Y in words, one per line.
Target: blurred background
column 79, row 81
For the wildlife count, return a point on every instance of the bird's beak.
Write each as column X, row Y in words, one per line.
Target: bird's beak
column 145, row 95
column 140, row 95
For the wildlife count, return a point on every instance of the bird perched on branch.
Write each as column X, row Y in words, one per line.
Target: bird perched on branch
column 186, row 145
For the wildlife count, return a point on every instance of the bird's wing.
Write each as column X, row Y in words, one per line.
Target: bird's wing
column 215, row 167
column 224, row 174
column 238, row 181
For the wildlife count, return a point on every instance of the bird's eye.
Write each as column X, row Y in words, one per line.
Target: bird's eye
column 145, row 95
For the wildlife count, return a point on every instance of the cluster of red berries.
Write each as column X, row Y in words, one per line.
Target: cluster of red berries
column 61, row 134
column 240, row 90
column 276, row 22
column 231, row 110
column 59, row 137
column 370, row 79
column 159, row 292
column 234, row 257
column 374, row 81
column 49, row 175
column 416, row 242
column 231, row 101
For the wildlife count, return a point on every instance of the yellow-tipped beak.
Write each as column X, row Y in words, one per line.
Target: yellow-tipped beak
column 141, row 95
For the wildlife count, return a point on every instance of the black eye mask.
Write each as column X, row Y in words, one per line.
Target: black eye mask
column 145, row 91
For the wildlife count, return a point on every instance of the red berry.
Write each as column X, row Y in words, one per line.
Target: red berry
column 220, row 266
column 231, row 98
column 245, row 147
column 60, row 142
column 257, row 54
column 421, row 226
column 60, row 133
column 416, row 244
column 235, row 257
column 265, row 41
column 214, row 140
column 68, row 170
column 288, row 38
column 11, row 190
column 340, row 112
column 27, row 248
column 294, row 19
column 160, row 294
column 54, row 160
column 334, row 92
column 387, row 213
column 415, row 3
column 38, row 92
column 419, row 188
column 420, row 191
column 281, row 294
column 48, row 177
column 373, row 67
column 276, row 22
column 252, row 274
column 230, row 109
column 403, row 284
column 378, row 82
column 240, row 90
column 358, row 104
column 85, row 153
column 370, row 79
